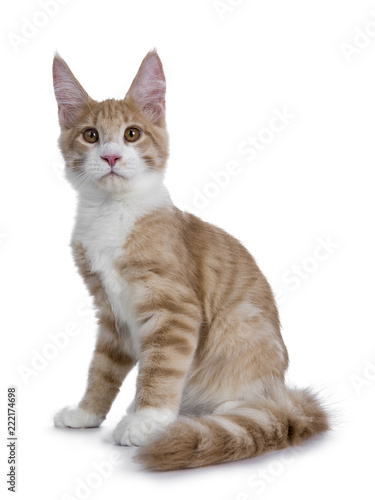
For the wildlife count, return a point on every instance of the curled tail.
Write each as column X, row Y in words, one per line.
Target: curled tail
column 246, row 430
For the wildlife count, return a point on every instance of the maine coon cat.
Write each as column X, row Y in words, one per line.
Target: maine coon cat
column 178, row 296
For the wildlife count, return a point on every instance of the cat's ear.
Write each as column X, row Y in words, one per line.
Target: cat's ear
column 148, row 88
column 70, row 95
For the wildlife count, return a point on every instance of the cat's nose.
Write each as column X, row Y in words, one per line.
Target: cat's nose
column 111, row 159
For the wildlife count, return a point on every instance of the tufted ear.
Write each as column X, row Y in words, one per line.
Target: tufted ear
column 70, row 95
column 148, row 88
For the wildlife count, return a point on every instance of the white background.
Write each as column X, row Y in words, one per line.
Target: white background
column 226, row 75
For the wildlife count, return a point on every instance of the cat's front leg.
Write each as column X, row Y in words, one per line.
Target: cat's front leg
column 109, row 366
column 168, row 343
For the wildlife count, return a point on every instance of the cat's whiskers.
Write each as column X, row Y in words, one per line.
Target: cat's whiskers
column 84, row 178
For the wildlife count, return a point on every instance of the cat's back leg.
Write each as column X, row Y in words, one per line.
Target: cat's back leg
column 240, row 356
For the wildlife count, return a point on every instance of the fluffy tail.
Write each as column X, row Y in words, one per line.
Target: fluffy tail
column 248, row 430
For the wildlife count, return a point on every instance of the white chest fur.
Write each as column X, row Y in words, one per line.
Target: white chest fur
column 102, row 227
column 103, row 233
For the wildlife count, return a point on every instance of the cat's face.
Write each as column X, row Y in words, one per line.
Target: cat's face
column 113, row 144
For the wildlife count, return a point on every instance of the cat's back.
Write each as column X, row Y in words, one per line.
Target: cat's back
column 179, row 244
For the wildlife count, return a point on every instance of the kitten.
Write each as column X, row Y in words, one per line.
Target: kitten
column 178, row 296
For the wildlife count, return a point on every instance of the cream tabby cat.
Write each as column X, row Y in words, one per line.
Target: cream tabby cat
column 178, row 296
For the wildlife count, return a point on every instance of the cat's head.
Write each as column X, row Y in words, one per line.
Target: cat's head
column 111, row 145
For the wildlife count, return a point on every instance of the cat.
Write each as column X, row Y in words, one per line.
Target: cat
column 180, row 297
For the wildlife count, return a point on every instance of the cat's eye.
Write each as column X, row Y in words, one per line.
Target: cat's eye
column 132, row 134
column 91, row 135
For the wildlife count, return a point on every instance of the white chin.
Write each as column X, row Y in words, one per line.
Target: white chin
column 112, row 182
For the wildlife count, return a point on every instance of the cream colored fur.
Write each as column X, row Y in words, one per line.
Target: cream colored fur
column 177, row 296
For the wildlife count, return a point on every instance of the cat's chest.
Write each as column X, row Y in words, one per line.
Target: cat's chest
column 103, row 235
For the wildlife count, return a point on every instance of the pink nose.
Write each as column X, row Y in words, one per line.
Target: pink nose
column 111, row 159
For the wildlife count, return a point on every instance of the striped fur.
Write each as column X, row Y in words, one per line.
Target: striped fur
column 178, row 296
column 248, row 430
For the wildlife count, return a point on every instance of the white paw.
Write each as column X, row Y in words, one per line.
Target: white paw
column 135, row 429
column 76, row 417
